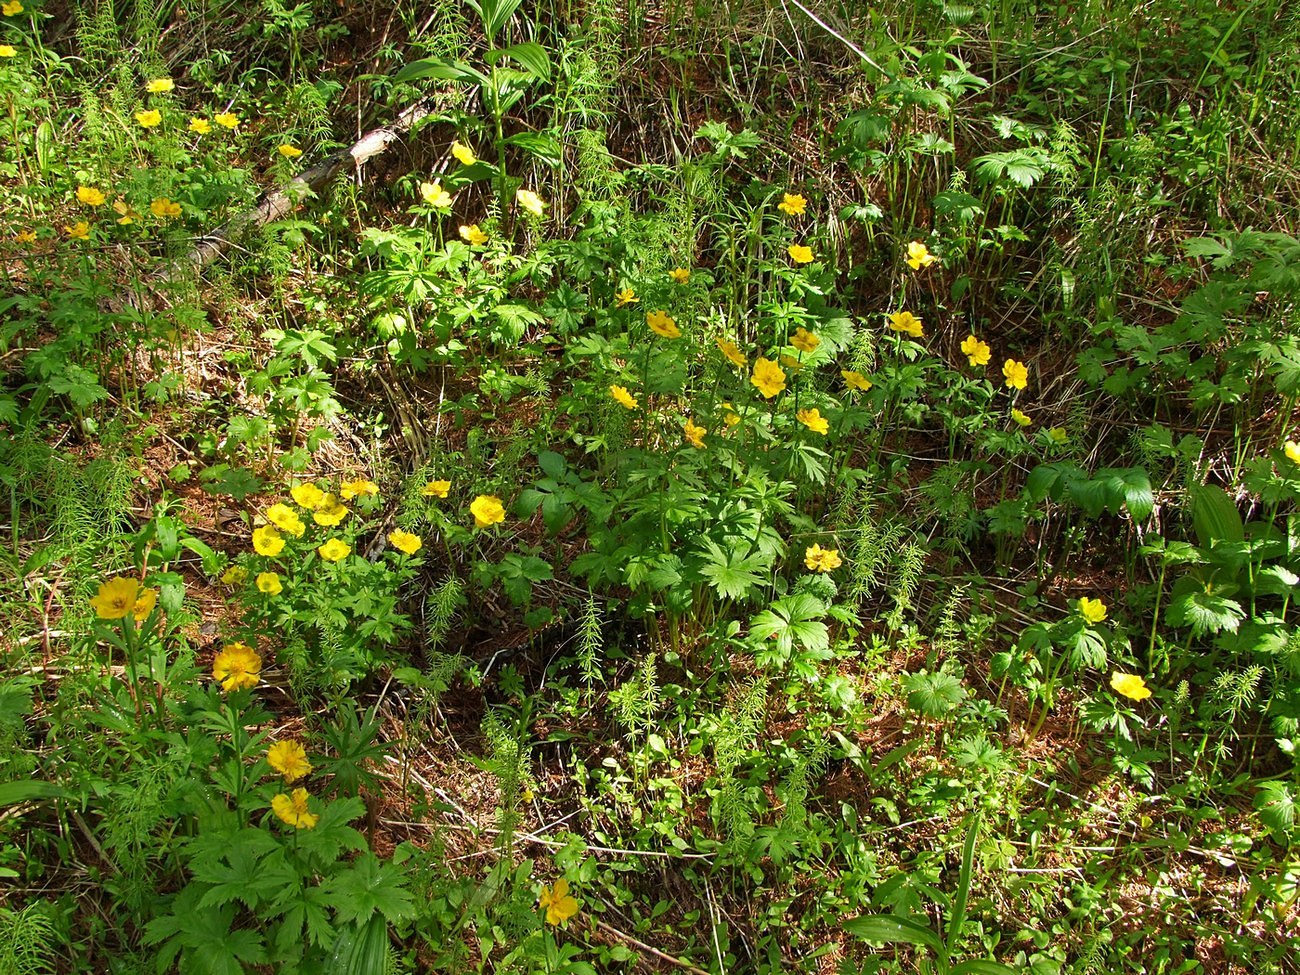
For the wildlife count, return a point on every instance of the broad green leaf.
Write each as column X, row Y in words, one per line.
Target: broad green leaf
column 440, row 68
column 1215, row 516
column 530, row 54
column 888, row 929
column 29, row 790
column 978, row 967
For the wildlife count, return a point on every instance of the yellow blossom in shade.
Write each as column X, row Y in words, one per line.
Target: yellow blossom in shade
column 733, row 354
column 159, row 85
column 1021, row 418
column 694, row 433
column 1092, row 610
column 237, row 666
column 289, row 758
column 1130, row 685
column 25, row 237
column 334, row 549
column 144, row 603
column 236, row 575
column 292, row 810
column 357, row 489
column 661, row 323
column 791, row 363
column 78, row 231
column 436, row 489
column 487, row 510
column 330, row 511
column 1292, row 451
column 1057, row 435
column 12, row 8
column 855, row 380
column 227, row 120
column 799, row 253
column 793, row 204
column 434, row 195
column 472, row 235
column 405, row 542
column 149, row 118
column 269, row 583
column 819, row 559
column 622, row 395
column 680, row 275
column 115, row 598
column 164, row 209
column 125, row 214
column 768, row 378
column 308, row 495
column 557, row 903
column 814, row 421
column 905, row 321
column 1016, row 374
column 7, row 51
column 919, row 256
column 463, row 153
column 288, row 150
column 530, row 201
column 626, row 297
column 730, row 417
column 267, row 541
column 200, row 125
column 977, row 353
column 90, row 196
column 804, row 340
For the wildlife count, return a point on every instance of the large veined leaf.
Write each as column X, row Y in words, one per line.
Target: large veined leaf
column 888, row 929
column 1215, row 516
column 530, row 54
column 441, row 68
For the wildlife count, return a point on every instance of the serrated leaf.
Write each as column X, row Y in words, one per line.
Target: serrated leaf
column 1276, row 805
column 1205, row 612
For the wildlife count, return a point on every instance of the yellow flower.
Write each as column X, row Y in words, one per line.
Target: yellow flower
column 732, row 353
column 159, row 85
column 661, row 323
column 814, row 421
column 1092, row 610
column 144, row 603
column 334, row 550
column 11, row 8
column 7, row 51
column 558, row 904
column 115, row 598
column 293, row 810
column 405, row 541
column 919, row 256
column 436, row 489
column 1130, row 685
column 308, row 495
column 680, row 275
column 289, row 758
column 227, row 120
column 1292, row 451
column 237, row 666
column 977, row 353
column 694, row 434
column 288, row 151
column 768, row 377
column 1057, row 435
column 855, row 380
column 360, row 488
column 200, row 125
column 793, row 204
column 434, row 195
column 819, row 559
column 799, row 253
column 269, row 583
column 905, row 321
column 1016, row 374
column 267, row 541
column 236, row 575
column 148, row 119
column 487, row 510
column 164, row 209
column 626, row 297
column 1021, row 418
column 730, row 417
column 530, row 201
column 621, row 394
column 78, row 231
column 804, row 340
column 463, row 153
column 473, row 235
column 330, row 511
column 126, row 214
column 25, row 237
column 90, row 196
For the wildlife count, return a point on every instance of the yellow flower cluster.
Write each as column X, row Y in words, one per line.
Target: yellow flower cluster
column 120, row 597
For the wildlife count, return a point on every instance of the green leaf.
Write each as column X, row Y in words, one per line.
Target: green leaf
column 888, row 929
column 1276, row 805
column 29, row 790
column 934, row 695
column 733, row 572
column 1215, row 516
column 368, row 889
column 979, row 967
column 1205, row 612
column 530, row 54
column 440, row 68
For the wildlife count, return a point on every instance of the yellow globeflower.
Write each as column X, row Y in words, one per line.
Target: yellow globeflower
column 814, row 421
column 1130, row 685
column 115, row 598
column 307, row 495
column 732, row 353
column 559, row 906
column 1292, row 451
column 358, row 488
column 436, row 489
column 78, row 231
column 530, row 201
column 661, row 323
column 12, row 8
column 288, row 150
column 330, row 511
column 464, row 154
column 1092, row 610
column 286, row 519
column 90, row 196
column 269, row 583
column 164, row 209
column 289, row 758
column 227, row 120
column 236, row 575
column 626, row 297
column 405, row 542
column 159, row 85
column 919, row 256
column 905, row 321
column 1057, row 435
column 434, row 195
column 7, row 51
column 694, row 434
column 622, row 395
column 768, row 378
column 144, row 603
column 793, row 204
column 730, row 417
column 855, row 380
column 819, row 559
column 148, row 119
column 125, row 214
column 799, row 253
column 804, row 340
column 1016, row 374
column 237, row 666
column 1021, row 418
column 487, row 510
column 334, row 550
column 680, row 275
column 977, row 353
column 200, row 125
column 292, row 809
column 473, row 235
column 267, row 541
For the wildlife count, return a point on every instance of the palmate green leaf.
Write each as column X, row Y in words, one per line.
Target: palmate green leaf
column 794, row 619
column 888, row 929
column 304, row 915
column 1205, row 612
column 934, row 695
column 734, row 572
column 1276, row 805
column 368, row 888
